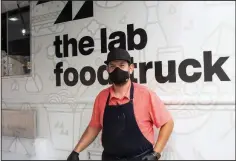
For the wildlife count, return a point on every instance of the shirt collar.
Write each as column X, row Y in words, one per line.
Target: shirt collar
column 112, row 93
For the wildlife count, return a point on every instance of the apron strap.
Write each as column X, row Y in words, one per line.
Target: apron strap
column 132, row 91
column 108, row 98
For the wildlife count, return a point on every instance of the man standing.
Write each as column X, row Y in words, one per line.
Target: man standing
column 126, row 113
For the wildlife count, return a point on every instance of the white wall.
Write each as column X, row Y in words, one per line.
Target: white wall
column 204, row 112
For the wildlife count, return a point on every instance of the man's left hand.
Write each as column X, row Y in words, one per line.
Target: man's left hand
column 152, row 156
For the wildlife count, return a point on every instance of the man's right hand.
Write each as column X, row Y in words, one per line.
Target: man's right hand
column 74, row 156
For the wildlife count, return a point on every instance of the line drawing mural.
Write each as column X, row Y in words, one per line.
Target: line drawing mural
column 175, row 32
column 15, row 86
column 34, row 84
column 43, row 17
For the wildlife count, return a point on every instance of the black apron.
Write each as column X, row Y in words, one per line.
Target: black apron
column 121, row 136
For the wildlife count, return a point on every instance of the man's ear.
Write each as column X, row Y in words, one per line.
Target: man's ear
column 131, row 68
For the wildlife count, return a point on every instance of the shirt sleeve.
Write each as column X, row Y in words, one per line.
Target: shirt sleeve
column 158, row 111
column 95, row 119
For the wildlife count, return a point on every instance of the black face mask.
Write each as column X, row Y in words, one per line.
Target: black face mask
column 119, row 76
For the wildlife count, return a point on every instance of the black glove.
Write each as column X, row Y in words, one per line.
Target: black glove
column 74, row 156
column 152, row 156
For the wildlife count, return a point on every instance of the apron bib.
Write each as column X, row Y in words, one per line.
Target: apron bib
column 121, row 136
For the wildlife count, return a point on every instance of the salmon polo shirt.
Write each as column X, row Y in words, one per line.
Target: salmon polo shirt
column 149, row 110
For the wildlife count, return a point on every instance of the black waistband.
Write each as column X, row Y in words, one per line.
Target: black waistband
column 131, row 158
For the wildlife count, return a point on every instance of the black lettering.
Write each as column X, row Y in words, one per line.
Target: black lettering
column 210, row 70
column 75, row 76
column 121, row 40
column 92, row 76
column 171, row 76
column 58, row 72
column 131, row 34
column 132, row 75
column 66, row 44
column 143, row 67
column 83, row 45
column 103, row 40
column 183, row 70
column 100, row 77
column 57, row 43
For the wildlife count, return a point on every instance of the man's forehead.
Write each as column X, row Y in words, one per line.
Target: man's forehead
column 118, row 62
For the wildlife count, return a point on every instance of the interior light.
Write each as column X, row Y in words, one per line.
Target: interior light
column 23, row 31
column 13, row 18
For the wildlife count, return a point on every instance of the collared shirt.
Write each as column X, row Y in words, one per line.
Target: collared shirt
column 149, row 110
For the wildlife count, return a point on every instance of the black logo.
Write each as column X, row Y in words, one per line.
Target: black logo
column 66, row 14
column 41, row 2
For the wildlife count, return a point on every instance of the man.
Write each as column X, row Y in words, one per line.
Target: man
column 126, row 113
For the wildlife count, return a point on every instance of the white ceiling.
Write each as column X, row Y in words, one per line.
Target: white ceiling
column 11, row 5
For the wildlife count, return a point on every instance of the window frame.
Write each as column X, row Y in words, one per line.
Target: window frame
column 11, row 12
